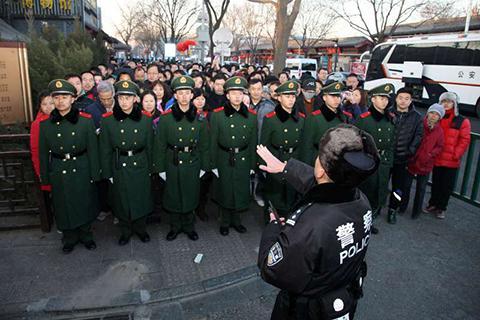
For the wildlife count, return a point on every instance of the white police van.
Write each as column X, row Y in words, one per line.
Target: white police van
column 300, row 66
column 431, row 65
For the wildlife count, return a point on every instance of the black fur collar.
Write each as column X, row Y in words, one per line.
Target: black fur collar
column 329, row 193
column 283, row 115
column 377, row 115
column 329, row 114
column 178, row 114
column 229, row 110
column 135, row 115
column 71, row 117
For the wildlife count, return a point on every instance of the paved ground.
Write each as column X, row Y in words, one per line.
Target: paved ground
column 423, row 269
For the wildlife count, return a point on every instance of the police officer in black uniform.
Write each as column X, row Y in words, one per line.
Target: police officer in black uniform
column 316, row 256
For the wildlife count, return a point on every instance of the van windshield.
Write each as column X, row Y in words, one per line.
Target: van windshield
column 309, row 66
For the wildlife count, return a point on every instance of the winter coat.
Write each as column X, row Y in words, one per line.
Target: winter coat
column 456, row 130
column 430, row 147
column 408, row 127
column 34, row 136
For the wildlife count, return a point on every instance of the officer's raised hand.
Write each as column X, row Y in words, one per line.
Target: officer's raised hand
column 273, row 165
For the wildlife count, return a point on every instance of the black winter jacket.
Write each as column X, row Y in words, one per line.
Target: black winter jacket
column 408, row 133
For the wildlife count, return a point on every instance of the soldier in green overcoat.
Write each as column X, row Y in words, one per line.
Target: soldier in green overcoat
column 329, row 115
column 68, row 152
column 126, row 149
column 379, row 123
column 181, row 157
column 232, row 151
column 282, row 132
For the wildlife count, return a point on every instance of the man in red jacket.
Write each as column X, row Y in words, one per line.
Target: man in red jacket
column 456, row 130
column 422, row 162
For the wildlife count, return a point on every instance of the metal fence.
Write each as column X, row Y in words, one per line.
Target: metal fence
column 21, row 202
column 468, row 176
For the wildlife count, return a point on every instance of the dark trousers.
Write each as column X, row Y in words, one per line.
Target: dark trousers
column 398, row 173
column 158, row 187
column 420, row 188
column 229, row 217
column 80, row 234
column 103, row 195
column 138, row 226
column 181, row 221
column 443, row 182
column 205, row 184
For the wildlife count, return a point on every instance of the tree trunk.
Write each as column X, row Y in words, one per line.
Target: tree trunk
column 283, row 28
column 211, row 47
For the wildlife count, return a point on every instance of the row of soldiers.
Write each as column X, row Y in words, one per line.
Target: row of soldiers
column 186, row 145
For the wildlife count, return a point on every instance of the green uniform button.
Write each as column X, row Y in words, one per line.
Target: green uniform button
column 124, row 164
column 122, row 131
column 73, row 133
column 64, row 171
column 232, row 126
column 135, row 130
column 74, row 170
column 59, row 135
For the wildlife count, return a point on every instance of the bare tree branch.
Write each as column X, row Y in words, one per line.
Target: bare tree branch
column 386, row 15
column 215, row 19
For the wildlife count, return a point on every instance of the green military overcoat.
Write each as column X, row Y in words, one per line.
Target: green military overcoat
column 181, row 151
column 68, row 152
column 282, row 135
column 235, row 131
column 126, row 149
column 381, row 127
column 316, row 125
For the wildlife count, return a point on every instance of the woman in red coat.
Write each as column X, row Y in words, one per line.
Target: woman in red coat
column 423, row 161
column 456, row 130
column 45, row 107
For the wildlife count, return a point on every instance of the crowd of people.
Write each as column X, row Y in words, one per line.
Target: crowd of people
column 133, row 138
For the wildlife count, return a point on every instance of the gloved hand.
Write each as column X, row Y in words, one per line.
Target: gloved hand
column 201, row 173
column 111, row 180
column 163, row 175
column 215, row 172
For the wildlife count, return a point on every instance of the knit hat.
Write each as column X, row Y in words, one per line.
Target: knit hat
column 452, row 96
column 438, row 108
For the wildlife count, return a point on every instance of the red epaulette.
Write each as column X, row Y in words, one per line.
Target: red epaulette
column 106, row 115
column 218, row 109
column 365, row 114
column 205, row 113
column 252, row 111
column 271, row 114
column 316, row 112
column 301, row 114
column 85, row 115
column 167, row 112
column 146, row 113
column 348, row 114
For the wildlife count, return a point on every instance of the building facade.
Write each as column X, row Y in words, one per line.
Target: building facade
column 60, row 14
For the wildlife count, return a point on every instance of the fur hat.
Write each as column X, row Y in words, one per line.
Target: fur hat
column 452, row 96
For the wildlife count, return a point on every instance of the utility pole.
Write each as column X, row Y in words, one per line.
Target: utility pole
column 469, row 15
